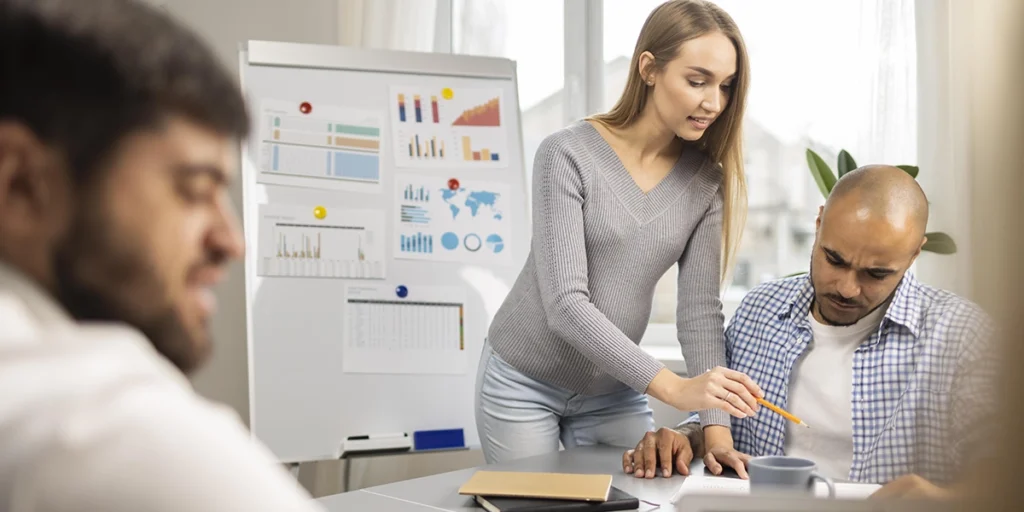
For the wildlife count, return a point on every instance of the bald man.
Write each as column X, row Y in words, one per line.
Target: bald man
column 888, row 372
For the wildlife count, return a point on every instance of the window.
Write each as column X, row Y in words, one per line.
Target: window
column 529, row 32
column 825, row 75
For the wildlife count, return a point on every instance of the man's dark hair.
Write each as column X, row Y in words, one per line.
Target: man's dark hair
column 82, row 74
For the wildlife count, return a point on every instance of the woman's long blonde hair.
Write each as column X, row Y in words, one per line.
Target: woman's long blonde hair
column 666, row 29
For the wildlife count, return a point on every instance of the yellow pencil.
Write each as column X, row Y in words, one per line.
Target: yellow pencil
column 782, row 412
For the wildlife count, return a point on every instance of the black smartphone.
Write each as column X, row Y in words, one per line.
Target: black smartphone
column 727, row 471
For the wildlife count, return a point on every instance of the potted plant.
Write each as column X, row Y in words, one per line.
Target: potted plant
column 937, row 242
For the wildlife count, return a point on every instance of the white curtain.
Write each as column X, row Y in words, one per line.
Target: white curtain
column 388, row 24
column 482, row 27
column 945, row 38
column 888, row 131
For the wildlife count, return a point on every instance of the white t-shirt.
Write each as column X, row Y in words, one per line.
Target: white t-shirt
column 93, row 418
column 821, row 391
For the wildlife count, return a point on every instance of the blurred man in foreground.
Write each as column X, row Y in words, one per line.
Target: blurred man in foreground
column 118, row 137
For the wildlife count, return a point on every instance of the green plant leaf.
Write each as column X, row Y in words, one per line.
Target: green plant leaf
column 845, row 163
column 939, row 243
column 910, row 169
column 823, row 175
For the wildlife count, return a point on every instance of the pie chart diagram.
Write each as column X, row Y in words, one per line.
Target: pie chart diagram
column 495, row 244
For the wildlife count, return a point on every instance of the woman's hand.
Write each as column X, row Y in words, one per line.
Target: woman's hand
column 719, row 388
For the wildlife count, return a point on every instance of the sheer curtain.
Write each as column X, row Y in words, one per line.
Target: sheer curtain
column 388, row 24
column 888, row 54
column 945, row 38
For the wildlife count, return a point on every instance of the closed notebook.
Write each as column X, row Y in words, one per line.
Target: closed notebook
column 556, row 486
column 617, row 500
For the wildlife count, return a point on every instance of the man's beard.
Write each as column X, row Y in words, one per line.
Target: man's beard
column 114, row 269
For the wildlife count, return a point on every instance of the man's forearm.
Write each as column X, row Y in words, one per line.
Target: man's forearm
column 695, row 433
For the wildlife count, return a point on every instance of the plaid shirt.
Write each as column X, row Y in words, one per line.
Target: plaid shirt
column 922, row 387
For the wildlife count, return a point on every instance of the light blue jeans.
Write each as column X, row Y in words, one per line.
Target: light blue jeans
column 518, row 416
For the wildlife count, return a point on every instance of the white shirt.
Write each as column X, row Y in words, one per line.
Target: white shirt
column 821, row 393
column 93, row 418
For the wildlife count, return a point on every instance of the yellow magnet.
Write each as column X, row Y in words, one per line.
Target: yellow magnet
column 320, row 212
column 447, row 93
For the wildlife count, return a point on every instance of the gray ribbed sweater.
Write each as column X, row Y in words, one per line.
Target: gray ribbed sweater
column 582, row 302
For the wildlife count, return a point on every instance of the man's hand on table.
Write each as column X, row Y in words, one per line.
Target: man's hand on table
column 659, row 452
column 669, row 450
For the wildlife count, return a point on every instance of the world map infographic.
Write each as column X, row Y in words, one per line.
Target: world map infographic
column 440, row 222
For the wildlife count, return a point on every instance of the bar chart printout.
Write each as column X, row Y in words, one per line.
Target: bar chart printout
column 448, row 127
column 334, row 147
column 471, row 154
column 434, row 222
column 422, row 333
column 426, row 148
column 349, row 246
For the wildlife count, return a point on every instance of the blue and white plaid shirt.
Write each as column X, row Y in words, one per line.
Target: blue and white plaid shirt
column 922, row 386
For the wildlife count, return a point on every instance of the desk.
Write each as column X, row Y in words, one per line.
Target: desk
column 441, row 492
column 347, row 457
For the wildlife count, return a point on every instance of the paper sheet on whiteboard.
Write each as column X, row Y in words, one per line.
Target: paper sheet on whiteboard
column 421, row 333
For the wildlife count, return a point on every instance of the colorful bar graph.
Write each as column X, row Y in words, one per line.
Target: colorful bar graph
column 433, row 109
column 471, row 155
column 401, row 108
column 427, row 148
column 419, row 111
column 342, row 148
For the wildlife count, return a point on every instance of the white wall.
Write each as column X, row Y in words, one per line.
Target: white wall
column 224, row 24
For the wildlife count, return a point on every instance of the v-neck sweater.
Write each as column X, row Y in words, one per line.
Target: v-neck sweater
column 580, row 306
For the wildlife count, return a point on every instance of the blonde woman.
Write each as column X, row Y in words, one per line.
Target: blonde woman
column 618, row 199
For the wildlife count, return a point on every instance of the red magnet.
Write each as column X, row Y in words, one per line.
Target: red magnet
column 453, row 184
column 305, row 107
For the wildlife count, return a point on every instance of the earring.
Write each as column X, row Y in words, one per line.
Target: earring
column 650, row 82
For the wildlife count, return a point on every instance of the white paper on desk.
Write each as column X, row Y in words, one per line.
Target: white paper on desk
column 421, row 333
column 720, row 485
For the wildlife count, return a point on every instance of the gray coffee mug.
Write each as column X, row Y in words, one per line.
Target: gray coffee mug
column 786, row 474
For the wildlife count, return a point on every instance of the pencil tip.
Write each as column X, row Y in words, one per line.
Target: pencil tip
column 805, row 425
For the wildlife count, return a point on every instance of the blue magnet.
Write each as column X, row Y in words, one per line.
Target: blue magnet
column 402, row 291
